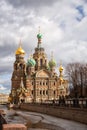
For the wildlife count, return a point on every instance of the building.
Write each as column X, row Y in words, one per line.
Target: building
column 36, row 79
column 3, row 98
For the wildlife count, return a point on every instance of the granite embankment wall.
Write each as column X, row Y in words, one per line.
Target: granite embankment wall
column 76, row 114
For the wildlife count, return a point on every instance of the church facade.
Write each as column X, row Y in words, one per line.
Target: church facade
column 36, row 79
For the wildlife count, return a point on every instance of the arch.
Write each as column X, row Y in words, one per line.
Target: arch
column 42, row 73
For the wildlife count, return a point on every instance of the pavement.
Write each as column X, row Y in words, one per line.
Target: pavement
column 60, row 123
column 44, row 121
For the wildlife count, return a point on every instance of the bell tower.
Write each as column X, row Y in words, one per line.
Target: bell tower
column 40, row 55
column 19, row 69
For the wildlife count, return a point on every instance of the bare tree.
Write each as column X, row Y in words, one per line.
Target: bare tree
column 77, row 74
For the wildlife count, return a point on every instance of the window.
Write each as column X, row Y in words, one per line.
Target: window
column 46, row 83
column 54, row 92
column 54, row 83
column 32, row 83
column 43, row 83
column 43, row 92
column 46, row 92
column 20, row 66
column 32, row 92
column 40, row 92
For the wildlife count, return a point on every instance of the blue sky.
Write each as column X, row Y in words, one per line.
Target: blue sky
column 5, row 85
column 63, row 25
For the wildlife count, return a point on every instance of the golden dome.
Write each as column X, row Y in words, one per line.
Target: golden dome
column 61, row 68
column 19, row 51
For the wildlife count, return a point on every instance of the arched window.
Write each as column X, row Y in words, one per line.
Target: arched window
column 46, row 83
column 46, row 92
column 20, row 66
column 43, row 92
column 32, row 92
column 54, row 92
column 40, row 92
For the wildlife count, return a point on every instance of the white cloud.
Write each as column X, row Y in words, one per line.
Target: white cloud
column 2, row 87
column 62, row 25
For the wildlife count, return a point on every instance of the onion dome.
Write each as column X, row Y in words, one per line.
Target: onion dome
column 20, row 51
column 52, row 63
column 61, row 68
column 39, row 36
column 31, row 62
column 61, row 73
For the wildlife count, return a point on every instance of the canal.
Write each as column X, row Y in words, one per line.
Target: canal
column 38, row 121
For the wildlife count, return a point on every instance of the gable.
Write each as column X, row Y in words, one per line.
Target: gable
column 42, row 73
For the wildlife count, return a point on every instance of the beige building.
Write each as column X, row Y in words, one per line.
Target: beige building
column 36, row 79
column 4, row 98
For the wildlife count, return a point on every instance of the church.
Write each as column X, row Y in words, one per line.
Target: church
column 35, row 80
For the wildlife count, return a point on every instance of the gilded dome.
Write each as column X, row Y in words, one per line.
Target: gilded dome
column 19, row 51
column 61, row 68
column 31, row 62
column 52, row 63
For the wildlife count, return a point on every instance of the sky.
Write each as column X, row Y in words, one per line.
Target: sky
column 63, row 24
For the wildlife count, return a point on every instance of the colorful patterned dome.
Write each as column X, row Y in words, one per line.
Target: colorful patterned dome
column 31, row 62
column 52, row 63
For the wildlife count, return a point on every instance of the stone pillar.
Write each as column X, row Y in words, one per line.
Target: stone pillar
column 14, row 127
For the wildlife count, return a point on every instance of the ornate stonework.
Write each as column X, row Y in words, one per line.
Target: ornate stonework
column 36, row 80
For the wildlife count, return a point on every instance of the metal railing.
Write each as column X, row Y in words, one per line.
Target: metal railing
column 75, row 102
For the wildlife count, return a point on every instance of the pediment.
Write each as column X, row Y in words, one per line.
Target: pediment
column 42, row 73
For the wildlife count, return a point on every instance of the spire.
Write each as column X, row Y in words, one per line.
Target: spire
column 39, row 37
column 39, row 29
column 20, row 43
